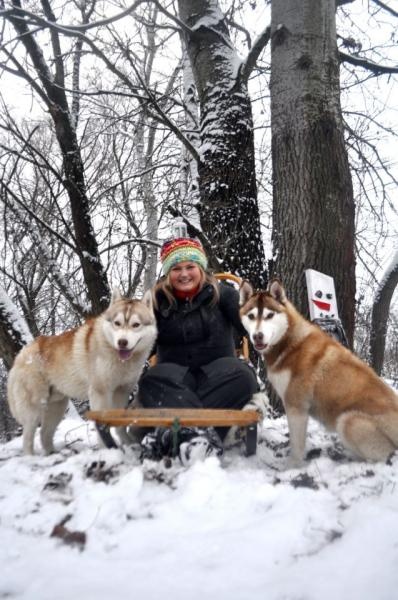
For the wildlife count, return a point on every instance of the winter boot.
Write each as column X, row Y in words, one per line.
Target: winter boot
column 156, row 444
column 203, row 443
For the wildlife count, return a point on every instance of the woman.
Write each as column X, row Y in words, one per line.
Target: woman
column 196, row 362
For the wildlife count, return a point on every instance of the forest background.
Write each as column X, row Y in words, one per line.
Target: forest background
column 268, row 127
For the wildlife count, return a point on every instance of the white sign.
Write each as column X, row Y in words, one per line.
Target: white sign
column 321, row 295
column 179, row 229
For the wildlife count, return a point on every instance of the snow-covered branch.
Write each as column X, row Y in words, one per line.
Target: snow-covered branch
column 258, row 46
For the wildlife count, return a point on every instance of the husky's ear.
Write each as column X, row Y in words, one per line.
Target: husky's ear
column 148, row 300
column 245, row 292
column 116, row 295
column 277, row 291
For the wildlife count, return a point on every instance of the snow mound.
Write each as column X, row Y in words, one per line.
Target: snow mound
column 95, row 523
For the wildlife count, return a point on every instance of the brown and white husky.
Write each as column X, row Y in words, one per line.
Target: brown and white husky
column 316, row 376
column 101, row 360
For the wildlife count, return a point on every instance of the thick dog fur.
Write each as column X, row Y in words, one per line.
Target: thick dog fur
column 316, row 376
column 101, row 360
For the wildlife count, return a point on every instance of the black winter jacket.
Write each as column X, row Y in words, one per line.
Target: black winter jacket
column 194, row 333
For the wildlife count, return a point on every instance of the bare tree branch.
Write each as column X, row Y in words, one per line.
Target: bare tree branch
column 235, row 25
column 9, row 191
column 59, row 64
column 70, row 31
column 23, row 74
column 255, row 51
column 369, row 65
column 143, row 241
column 385, row 7
column 75, row 28
column 74, row 182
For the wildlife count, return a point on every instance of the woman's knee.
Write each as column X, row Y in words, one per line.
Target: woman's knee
column 230, row 368
column 167, row 385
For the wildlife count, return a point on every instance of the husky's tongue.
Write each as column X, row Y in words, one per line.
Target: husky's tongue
column 260, row 347
column 124, row 354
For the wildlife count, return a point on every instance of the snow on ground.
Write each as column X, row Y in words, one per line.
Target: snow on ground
column 233, row 528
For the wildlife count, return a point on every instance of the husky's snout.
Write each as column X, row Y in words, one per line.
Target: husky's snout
column 258, row 341
column 122, row 343
column 123, row 349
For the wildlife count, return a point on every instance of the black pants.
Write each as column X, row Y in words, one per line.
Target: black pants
column 224, row 383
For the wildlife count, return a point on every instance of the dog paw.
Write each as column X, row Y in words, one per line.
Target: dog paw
column 234, row 437
column 259, row 402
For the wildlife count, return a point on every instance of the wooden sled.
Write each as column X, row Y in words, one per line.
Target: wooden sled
column 175, row 418
column 182, row 417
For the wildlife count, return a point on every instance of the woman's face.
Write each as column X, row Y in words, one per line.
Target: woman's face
column 185, row 276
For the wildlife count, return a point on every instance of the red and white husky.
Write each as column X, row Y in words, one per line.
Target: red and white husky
column 316, row 376
column 101, row 360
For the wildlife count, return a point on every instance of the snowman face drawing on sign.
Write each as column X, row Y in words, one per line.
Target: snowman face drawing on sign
column 321, row 295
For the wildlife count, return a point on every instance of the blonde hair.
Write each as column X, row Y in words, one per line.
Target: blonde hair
column 165, row 286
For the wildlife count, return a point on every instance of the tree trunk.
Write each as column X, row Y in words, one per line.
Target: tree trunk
column 229, row 212
column 380, row 313
column 14, row 333
column 189, row 186
column 149, row 202
column 8, row 425
column 10, row 342
column 313, row 208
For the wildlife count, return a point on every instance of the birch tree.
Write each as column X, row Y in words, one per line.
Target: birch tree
column 189, row 186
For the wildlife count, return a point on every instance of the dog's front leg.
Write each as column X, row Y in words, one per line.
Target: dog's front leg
column 120, row 400
column 99, row 398
column 297, row 420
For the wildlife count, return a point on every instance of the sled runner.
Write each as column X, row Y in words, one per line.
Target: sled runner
column 177, row 418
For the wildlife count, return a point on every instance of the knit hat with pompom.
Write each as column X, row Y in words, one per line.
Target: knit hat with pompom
column 182, row 250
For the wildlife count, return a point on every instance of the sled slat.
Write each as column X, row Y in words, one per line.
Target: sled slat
column 165, row 417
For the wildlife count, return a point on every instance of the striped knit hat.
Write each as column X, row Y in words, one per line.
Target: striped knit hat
column 182, row 250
